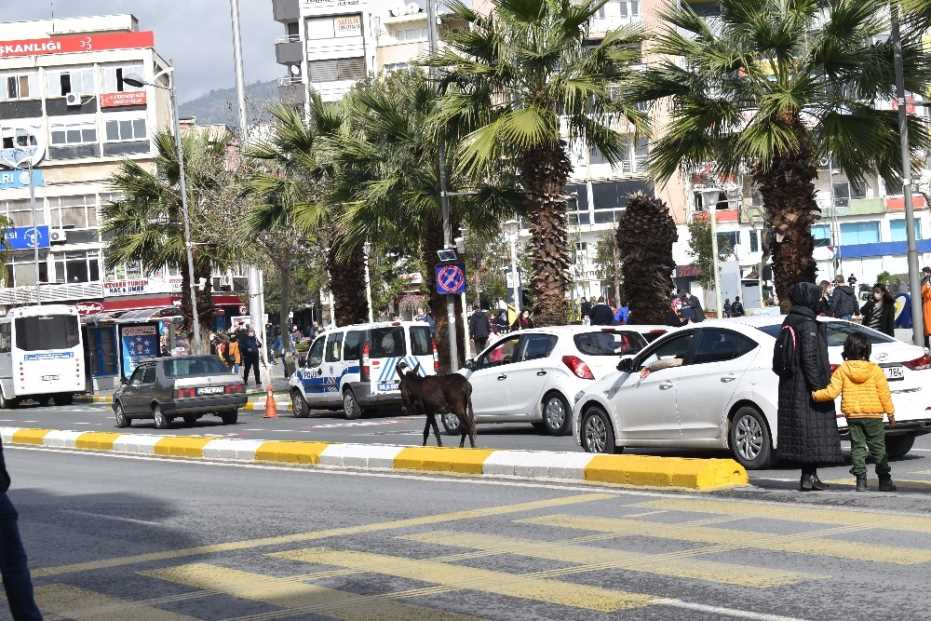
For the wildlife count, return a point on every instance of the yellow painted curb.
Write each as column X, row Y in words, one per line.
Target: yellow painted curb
column 177, row 446
column 643, row 470
column 97, row 440
column 435, row 459
column 29, row 436
column 290, row 452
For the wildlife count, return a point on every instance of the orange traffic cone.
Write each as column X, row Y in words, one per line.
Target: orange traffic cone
column 271, row 410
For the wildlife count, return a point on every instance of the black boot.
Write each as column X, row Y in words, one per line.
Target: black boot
column 861, row 483
column 806, row 483
column 886, row 484
column 816, row 483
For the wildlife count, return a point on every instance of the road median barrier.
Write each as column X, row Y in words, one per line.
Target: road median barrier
column 624, row 470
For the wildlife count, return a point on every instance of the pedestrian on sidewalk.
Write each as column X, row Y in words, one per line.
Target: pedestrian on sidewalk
column 249, row 347
column 926, row 301
column 13, row 562
column 479, row 327
column 737, row 308
column 602, row 314
column 865, row 399
column 843, row 300
column 879, row 311
column 233, row 355
column 808, row 434
column 622, row 315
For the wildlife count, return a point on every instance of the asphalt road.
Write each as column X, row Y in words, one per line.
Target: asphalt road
column 115, row 538
column 913, row 472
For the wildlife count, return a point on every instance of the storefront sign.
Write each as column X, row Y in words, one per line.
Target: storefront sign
column 327, row 4
column 118, row 100
column 348, row 25
column 126, row 287
column 13, row 179
column 89, row 308
column 27, row 237
column 70, row 44
column 138, row 343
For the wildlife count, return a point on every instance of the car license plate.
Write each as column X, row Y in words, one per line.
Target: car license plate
column 210, row 390
column 894, row 373
column 49, row 378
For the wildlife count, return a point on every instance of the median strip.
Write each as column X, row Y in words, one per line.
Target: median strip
column 625, row 470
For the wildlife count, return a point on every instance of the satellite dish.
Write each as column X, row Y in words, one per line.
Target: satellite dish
column 412, row 8
column 397, row 10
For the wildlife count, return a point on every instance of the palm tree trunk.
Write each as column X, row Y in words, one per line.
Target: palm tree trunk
column 433, row 241
column 284, row 304
column 347, row 283
column 544, row 172
column 204, row 301
column 788, row 191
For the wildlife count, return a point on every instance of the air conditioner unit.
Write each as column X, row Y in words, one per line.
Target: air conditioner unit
column 57, row 235
column 72, row 100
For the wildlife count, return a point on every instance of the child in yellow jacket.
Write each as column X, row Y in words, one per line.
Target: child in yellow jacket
column 865, row 399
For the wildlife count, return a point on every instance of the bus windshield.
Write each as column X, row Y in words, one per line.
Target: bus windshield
column 47, row 332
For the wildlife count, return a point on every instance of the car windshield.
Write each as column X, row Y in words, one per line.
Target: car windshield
column 193, row 367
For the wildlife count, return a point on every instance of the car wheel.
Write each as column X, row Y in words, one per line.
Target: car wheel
column 749, row 438
column 119, row 416
column 66, row 399
column 451, row 424
column 596, row 432
column 230, row 418
column 299, row 407
column 161, row 421
column 556, row 414
column 898, row 447
column 351, row 407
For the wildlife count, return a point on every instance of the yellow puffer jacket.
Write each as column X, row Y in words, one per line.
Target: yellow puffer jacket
column 863, row 388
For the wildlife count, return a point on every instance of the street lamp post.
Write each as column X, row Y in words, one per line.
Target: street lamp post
column 139, row 82
column 710, row 204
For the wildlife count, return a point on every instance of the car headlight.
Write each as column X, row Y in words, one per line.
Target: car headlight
column 579, row 395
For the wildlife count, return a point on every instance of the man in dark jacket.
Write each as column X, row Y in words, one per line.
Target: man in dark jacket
column 249, row 350
column 844, row 300
column 13, row 563
column 808, row 433
column 586, row 309
column 698, row 313
column 602, row 315
column 737, row 308
column 479, row 327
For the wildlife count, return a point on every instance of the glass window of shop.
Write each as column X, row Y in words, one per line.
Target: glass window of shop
column 125, row 271
column 74, row 267
column 73, row 212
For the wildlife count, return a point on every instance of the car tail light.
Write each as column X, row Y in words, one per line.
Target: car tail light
column 234, row 389
column 436, row 359
column 578, row 366
column 185, row 393
column 364, row 370
column 919, row 364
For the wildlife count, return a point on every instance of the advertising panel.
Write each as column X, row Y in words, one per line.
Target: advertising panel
column 69, row 44
column 118, row 100
column 13, row 179
column 139, row 343
column 27, row 237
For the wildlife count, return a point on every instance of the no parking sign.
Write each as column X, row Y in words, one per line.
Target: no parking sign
column 450, row 278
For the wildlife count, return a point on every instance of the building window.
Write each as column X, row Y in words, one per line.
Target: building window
column 410, row 35
column 74, row 267
column 16, row 137
column 625, row 9
column 73, row 212
column 74, row 134
column 899, row 231
column 21, row 269
column 78, row 81
column 634, row 155
column 822, row 235
column 336, row 70
column 859, row 233
column 333, row 27
column 728, row 239
column 125, row 130
column 113, row 77
column 395, row 67
column 293, row 30
column 754, row 241
column 19, row 212
column 15, row 86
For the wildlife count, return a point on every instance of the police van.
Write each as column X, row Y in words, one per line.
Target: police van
column 355, row 367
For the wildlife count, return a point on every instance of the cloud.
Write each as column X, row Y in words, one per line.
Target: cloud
column 195, row 34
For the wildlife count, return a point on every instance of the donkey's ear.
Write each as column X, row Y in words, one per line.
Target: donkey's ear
column 400, row 369
column 417, row 369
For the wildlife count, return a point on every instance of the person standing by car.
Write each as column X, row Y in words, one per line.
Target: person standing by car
column 13, row 562
column 926, row 302
column 602, row 315
column 843, row 300
column 249, row 346
column 824, row 302
column 879, row 311
column 233, row 354
column 523, row 321
column 622, row 316
column 807, row 429
column 479, row 327
column 586, row 311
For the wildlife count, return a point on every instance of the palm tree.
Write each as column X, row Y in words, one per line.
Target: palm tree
column 145, row 223
column 772, row 87
column 645, row 235
column 523, row 81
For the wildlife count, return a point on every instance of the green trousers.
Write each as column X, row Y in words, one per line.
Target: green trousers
column 868, row 436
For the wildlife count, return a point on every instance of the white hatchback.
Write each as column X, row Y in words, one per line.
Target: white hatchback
column 711, row 385
column 530, row 376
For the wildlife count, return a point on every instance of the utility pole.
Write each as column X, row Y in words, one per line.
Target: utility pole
column 444, row 204
column 914, row 282
column 35, row 229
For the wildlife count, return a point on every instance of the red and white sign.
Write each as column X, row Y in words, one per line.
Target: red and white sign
column 118, row 100
column 72, row 44
column 243, row 310
column 89, row 308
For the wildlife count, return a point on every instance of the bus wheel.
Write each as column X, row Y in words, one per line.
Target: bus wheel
column 42, row 401
column 65, row 399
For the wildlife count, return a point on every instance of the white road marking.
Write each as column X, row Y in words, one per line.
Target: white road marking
column 921, row 450
column 83, row 423
column 720, row 610
column 30, row 421
column 118, row 518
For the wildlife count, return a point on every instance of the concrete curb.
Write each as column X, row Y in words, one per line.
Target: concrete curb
column 627, row 470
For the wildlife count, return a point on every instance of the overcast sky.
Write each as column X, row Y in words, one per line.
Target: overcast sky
column 196, row 34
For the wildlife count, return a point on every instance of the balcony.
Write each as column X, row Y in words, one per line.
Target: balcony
column 286, row 10
column 291, row 90
column 51, row 293
column 288, row 50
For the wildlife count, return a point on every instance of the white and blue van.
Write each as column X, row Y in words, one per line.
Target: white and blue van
column 355, row 367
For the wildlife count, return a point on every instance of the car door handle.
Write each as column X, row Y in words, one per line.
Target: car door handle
column 502, row 377
column 665, row 386
column 727, row 379
column 541, row 373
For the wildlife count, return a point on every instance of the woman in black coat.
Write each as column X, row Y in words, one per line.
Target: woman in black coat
column 879, row 311
column 808, row 433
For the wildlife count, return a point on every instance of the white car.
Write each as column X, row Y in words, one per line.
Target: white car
column 711, row 385
column 531, row 375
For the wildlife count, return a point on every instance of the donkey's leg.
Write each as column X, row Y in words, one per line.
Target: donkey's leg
column 436, row 430
column 426, row 429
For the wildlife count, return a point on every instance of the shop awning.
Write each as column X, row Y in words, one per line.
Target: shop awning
column 138, row 315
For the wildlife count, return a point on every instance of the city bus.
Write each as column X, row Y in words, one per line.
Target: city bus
column 41, row 355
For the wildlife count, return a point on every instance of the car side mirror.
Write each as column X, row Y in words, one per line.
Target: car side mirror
column 470, row 364
column 626, row 365
column 124, row 381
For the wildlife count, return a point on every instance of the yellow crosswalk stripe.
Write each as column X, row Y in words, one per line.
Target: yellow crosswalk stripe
column 794, row 513
column 297, row 538
column 299, row 597
column 659, row 564
column 82, row 605
column 810, row 543
column 474, row 579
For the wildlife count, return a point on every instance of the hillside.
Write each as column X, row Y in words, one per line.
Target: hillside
column 219, row 106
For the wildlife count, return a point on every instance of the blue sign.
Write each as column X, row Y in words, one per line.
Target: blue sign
column 138, row 343
column 12, row 179
column 27, row 237
column 450, row 278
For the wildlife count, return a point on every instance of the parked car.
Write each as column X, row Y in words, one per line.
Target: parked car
column 187, row 387
column 530, row 376
column 712, row 386
column 355, row 367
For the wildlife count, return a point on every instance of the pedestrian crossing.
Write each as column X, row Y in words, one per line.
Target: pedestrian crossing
column 579, row 556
